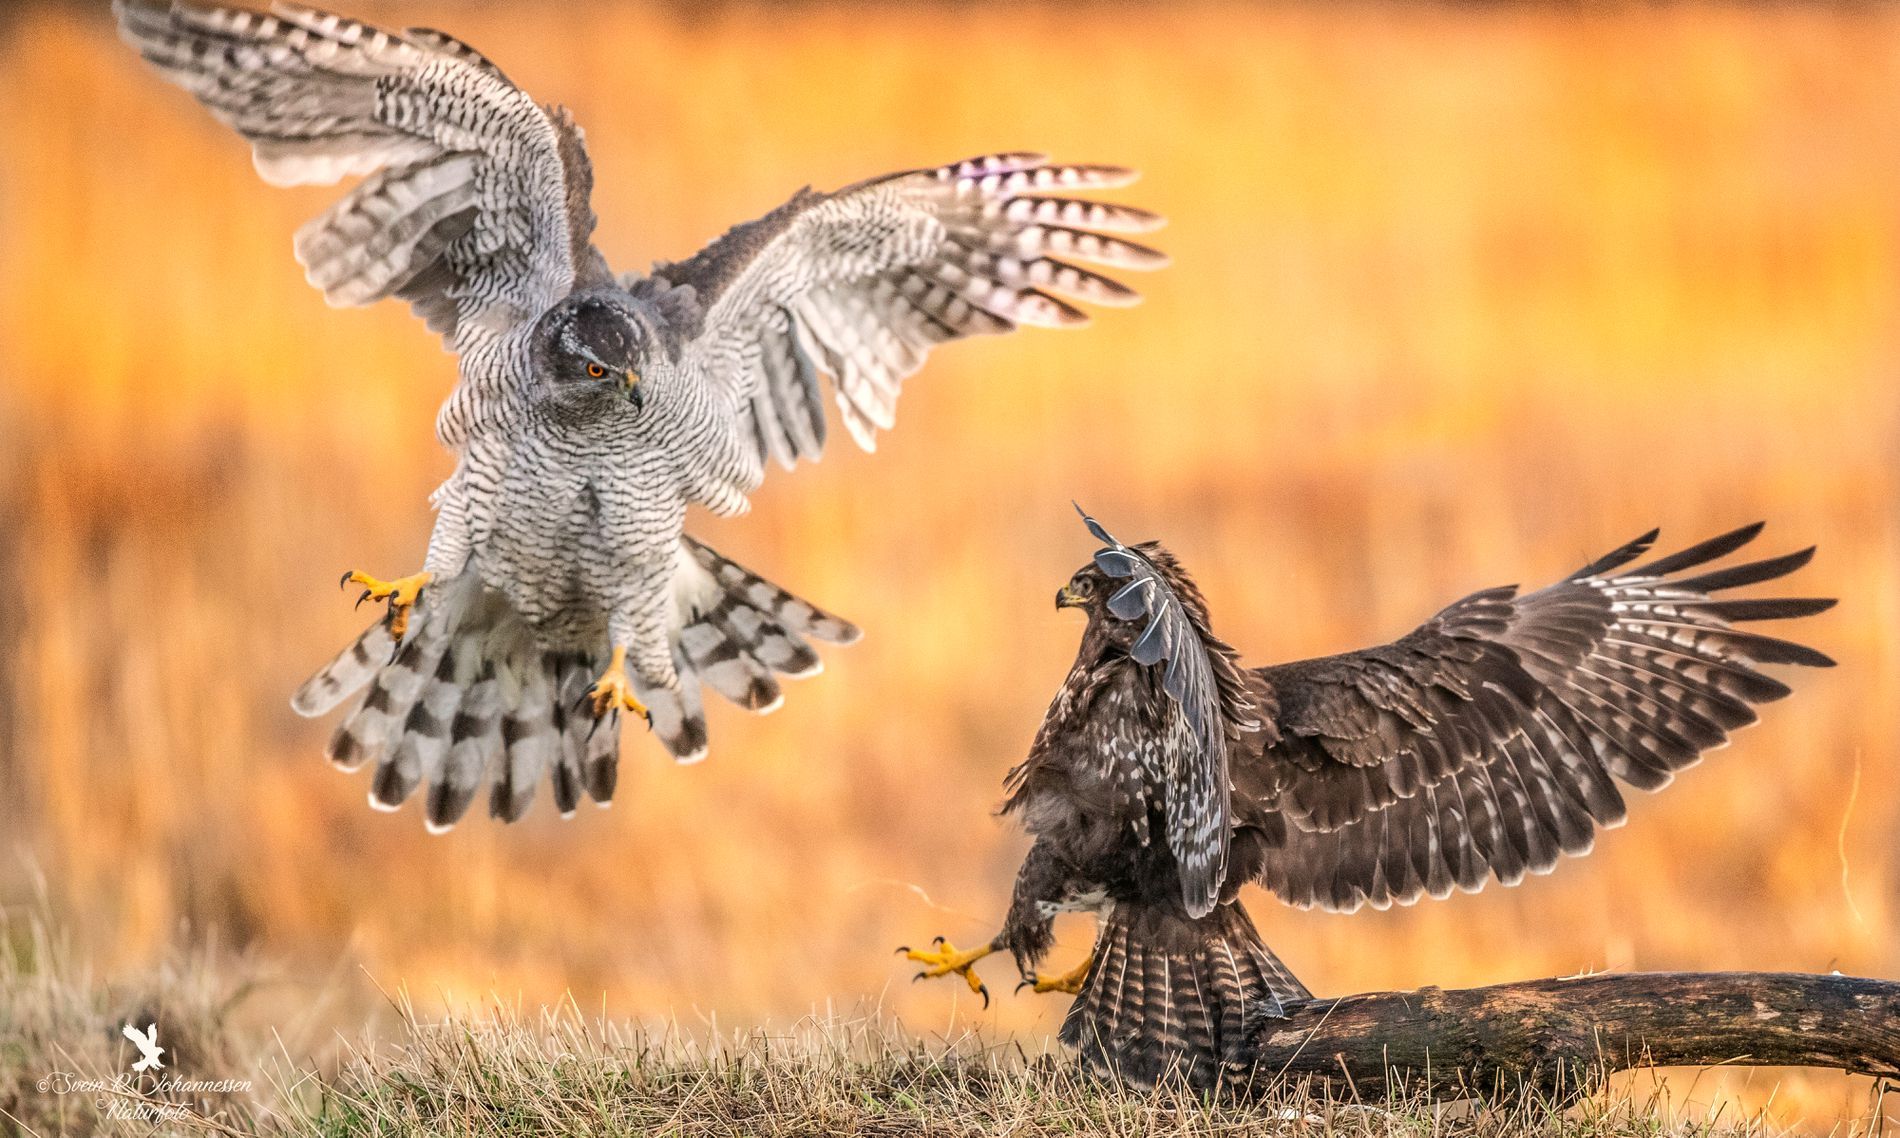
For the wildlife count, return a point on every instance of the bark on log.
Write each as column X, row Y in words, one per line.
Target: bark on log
column 1556, row 1034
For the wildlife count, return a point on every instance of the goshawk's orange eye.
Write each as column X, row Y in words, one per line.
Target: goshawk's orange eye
column 596, row 371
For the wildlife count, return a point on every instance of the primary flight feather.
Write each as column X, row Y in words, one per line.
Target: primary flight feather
column 560, row 590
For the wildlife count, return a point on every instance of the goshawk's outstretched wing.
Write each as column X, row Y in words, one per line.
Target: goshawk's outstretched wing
column 1205, row 701
column 860, row 284
column 1491, row 740
column 475, row 209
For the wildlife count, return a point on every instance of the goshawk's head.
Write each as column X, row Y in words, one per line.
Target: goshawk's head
column 600, row 346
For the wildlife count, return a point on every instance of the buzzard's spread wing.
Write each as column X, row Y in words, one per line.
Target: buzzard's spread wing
column 1188, row 774
column 860, row 284
column 475, row 205
column 1491, row 740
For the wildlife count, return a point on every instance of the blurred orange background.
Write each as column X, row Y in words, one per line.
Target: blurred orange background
column 1460, row 295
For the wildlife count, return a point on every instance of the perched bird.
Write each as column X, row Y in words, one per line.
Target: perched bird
column 1487, row 743
column 592, row 409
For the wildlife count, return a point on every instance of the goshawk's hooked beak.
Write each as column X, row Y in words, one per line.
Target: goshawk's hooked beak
column 635, row 396
column 1067, row 598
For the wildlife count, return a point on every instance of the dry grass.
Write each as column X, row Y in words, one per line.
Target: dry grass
column 493, row 1068
column 1460, row 295
column 560, row 1073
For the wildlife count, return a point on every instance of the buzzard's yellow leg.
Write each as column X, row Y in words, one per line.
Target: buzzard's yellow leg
column 613, row 691
column 1069, row 983
column 947, row 959
column 400, row 593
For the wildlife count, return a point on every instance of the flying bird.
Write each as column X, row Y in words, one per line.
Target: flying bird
column 559, row 592
column 1488, row 743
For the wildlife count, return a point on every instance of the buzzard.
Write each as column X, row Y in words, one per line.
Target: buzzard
column 591, row 409
column 1487, row 743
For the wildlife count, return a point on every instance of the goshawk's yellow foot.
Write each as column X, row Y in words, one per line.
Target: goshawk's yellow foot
column 1069, row 983
column 613, row 691
column 400, row 593
column 948, row 959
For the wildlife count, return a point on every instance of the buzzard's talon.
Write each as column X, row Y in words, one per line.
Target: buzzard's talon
column 613, row 691
column 1069, row 983
column 401, row 593
column 948, row 959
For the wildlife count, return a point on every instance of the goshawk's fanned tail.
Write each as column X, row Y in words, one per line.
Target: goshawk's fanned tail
column 470, row 697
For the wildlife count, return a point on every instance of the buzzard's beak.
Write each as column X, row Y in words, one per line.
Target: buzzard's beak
column 1067, row 598
column 634, row 395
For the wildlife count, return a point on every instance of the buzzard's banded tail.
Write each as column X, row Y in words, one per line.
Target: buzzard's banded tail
column 471, row 696
column 1171, row 998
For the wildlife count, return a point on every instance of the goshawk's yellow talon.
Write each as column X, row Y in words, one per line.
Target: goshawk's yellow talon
column 401, row 594
column 1069, row 983
column 613, row 691
column 948, row 959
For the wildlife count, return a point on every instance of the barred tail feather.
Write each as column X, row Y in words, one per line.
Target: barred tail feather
column 374, row 731
column 473, row 734
column 678, row 715
column 468, row 697
column 471, row 695
column 422, row 746
column 345, row 675
column 738, row 634
column 600, row 761
column 1172, row 998
column 530, row 742
column 576, row 723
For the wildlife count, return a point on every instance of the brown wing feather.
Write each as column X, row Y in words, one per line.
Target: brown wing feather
column 1491, row 741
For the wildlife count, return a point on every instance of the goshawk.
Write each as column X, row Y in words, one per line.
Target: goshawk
column 591, row 408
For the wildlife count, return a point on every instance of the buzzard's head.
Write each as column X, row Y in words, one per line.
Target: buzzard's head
column 1091, row 589
column 599, row 344
column 1142, row 603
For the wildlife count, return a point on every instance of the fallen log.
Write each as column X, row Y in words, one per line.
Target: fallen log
column 1557, row 1035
